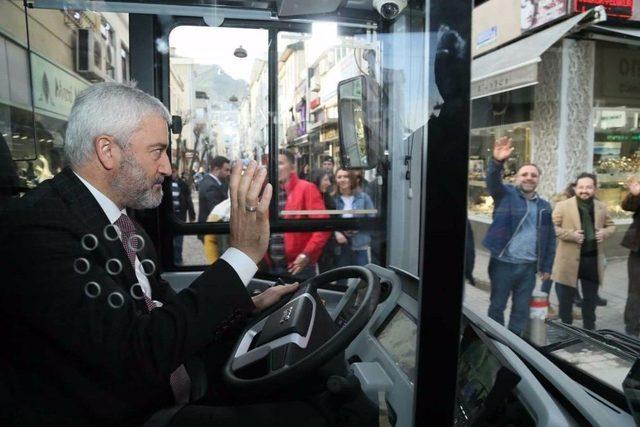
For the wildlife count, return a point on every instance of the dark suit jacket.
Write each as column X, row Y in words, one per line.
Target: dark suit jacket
column 69, row 358
column 210, row 193
column 185, row 204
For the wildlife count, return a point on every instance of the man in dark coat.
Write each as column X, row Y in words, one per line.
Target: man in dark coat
column 631, row 241
column 213, row 187
column 93, row 335
column 182, row 205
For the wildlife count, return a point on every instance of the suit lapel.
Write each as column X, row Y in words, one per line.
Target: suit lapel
column 575, row 214
column 93, row 220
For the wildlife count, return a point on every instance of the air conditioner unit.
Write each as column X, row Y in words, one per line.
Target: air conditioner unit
column 90, row 55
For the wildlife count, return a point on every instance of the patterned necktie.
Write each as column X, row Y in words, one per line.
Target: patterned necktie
column 179, row 379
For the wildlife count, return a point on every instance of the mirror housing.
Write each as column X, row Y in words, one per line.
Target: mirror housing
column 360, row 122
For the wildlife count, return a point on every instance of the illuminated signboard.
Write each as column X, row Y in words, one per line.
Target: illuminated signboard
column 614, row 8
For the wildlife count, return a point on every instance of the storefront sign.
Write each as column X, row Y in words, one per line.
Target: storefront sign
column 534, row 13
column 503, row 82
column 487, row 36
column 612, row 119
column 625, row 137
column 495, row 22
column 618, row 73
column 615, row 8
column 329, row 133
column 54, row 89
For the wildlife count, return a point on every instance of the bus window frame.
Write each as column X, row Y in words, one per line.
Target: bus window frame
column 167, row 224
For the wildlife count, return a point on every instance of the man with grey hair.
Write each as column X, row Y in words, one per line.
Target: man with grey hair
column 94, row 335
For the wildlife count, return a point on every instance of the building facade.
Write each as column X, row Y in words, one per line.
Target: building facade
column 564, row 86
column 41, row 72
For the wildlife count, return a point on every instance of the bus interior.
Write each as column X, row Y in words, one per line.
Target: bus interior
column 382, row 88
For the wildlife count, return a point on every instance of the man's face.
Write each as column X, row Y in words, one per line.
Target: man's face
column 327, row 165
column 528, row 178
column 284, row 169
column 223, row 172
column 585, row 188
column 144, row 165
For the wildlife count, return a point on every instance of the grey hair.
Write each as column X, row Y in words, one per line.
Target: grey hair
column 114, row 109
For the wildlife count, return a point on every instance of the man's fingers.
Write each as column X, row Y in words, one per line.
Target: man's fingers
column 263, row 206
column 579, row 231
column 234, row 182
column 255, row 186
column 245, row 182
column 287, row 289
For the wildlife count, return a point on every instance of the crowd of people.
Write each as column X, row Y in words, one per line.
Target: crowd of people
column 302, row 254
column 563, row 244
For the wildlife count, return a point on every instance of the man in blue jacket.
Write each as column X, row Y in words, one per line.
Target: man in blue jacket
column 521, row 238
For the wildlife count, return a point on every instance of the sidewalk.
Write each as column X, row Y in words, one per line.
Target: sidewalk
column 614, row 290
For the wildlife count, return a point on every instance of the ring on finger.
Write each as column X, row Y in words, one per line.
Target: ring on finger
column 251, row 208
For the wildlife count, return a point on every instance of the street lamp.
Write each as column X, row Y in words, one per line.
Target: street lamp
column 240, row 52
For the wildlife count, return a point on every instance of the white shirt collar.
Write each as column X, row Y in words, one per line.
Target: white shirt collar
column 110, row 209
column 216, row 178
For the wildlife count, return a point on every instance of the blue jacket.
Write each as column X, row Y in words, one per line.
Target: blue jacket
column 361, row 200
column 510, row 209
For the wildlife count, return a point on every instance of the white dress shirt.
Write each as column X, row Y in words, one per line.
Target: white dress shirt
column 216, row 178
column 239, row 261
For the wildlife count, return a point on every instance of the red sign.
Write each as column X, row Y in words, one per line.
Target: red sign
column 614, row 8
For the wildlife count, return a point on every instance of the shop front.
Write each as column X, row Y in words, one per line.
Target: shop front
column 567, row 94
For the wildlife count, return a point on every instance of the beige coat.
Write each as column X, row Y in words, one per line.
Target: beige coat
column 566, row 219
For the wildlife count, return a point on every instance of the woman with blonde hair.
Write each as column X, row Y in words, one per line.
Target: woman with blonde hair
column 353, row 245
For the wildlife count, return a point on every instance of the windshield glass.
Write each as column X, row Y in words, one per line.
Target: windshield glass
column 553, row 170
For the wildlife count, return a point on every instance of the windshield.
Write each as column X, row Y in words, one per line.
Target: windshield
column 552, row 175
column 400, row 141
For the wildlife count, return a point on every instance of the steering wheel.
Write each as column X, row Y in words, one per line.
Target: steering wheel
column 300, row 336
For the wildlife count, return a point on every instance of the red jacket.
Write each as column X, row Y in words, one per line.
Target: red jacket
column 303, row 195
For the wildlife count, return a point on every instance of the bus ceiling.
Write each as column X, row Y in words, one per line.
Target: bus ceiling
column 359, row 13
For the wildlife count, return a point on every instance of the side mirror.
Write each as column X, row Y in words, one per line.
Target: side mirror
column 176, row 125
column 360, row 122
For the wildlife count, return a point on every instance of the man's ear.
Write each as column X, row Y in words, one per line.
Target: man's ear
column 108, row 151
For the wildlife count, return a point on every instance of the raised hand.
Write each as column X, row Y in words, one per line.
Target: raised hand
column 502, row 148
column 634, row 185
column 249, row 222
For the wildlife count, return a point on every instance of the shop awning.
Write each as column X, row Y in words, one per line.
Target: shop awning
column 619, row 31
column 516, row 65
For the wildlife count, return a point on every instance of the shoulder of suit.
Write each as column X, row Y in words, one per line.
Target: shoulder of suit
column 36, row 203
column 566, row 202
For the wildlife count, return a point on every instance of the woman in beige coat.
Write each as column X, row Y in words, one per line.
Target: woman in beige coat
column 582, row 224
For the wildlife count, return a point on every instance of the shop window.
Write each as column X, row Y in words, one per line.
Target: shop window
column 221, row 96
column 307, row 108
column 481, row 153
column 503, row 114
column 616, row 154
